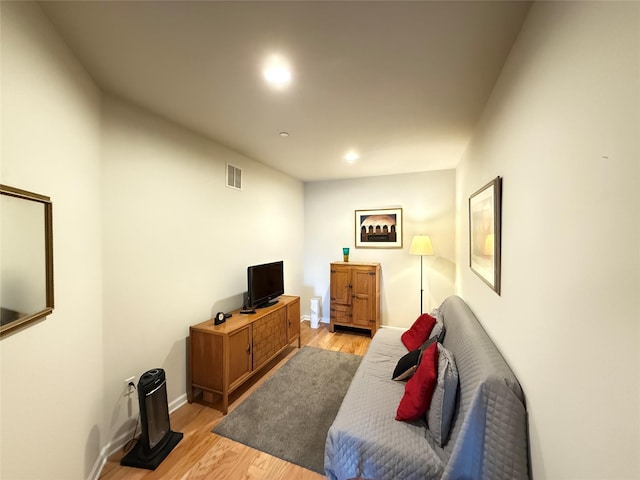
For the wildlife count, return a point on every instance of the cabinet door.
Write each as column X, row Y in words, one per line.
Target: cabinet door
column 207, row 353
column 364, row 297
column 239, row 355
column 340, row 286
column 293, row 320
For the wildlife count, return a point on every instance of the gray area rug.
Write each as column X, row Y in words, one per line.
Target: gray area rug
column 290, row 414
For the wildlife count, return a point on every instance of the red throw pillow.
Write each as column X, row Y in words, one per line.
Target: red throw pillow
column 419, row 331
column 419, row 389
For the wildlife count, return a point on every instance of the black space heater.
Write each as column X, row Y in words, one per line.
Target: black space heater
column 157, row 439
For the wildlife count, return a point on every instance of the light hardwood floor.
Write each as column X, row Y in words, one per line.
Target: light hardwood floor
column 205, row 455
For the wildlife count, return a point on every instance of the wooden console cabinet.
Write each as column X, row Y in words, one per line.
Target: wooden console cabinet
column 222, row 357
column 355, row 295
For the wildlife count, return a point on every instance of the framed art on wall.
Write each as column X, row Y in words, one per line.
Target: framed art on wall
column 485, row 220
column 26, row 272
column 379, row 228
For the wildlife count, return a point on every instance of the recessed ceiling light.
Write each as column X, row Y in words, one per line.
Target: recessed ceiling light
column 276, row 71
column 351, row 156
column 284, row 134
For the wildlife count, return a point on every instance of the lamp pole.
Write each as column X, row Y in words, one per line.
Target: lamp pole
column 421, row 289
column 421, row 245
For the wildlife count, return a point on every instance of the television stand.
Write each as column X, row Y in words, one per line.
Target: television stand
column 223, row 357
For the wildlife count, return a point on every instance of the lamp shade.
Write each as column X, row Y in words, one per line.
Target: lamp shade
column 421, row 245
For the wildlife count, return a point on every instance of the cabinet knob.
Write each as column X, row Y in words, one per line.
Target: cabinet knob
column 248, row 348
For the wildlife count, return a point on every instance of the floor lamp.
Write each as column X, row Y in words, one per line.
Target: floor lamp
column 421, row 245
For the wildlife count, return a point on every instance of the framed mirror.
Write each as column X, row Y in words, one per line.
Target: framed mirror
column 26, row 258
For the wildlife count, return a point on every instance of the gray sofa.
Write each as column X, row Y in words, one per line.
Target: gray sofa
column 488, row 437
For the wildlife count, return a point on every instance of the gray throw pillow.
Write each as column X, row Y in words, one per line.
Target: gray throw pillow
column 427, row 343
column 443, row 401
column 438, row 331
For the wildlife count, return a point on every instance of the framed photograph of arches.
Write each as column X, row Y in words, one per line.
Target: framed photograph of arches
column 485, row 230
column 380, row 228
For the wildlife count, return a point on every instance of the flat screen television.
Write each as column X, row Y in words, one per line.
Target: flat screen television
column 265, row 283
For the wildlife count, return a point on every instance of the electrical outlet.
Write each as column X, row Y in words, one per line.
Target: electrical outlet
column 128, row 388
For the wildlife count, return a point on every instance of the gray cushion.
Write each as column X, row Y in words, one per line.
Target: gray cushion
column 427, row 344
column 443, row 402
column 365, row 440
column 438, row 329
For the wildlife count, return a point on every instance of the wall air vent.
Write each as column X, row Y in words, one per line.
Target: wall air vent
column 234, row 177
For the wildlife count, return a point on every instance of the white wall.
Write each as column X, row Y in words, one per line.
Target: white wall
column 567, row 320
column 428, row 203
column 51, row 372
column 177, row 243
column 568, row 317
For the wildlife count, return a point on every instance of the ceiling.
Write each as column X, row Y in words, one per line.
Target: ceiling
column 402, row 83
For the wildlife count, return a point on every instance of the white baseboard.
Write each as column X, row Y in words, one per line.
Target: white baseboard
column 94, row 474
column 307, row 318
column 117, row 443
column 177, row 403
